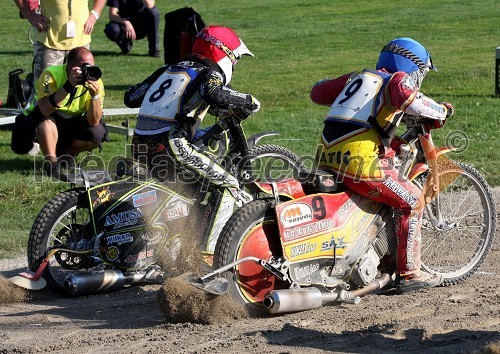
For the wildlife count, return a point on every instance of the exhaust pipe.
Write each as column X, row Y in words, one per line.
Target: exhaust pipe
column 302, row 299
column 293, row 300
column 91, row 283
column 109, row 280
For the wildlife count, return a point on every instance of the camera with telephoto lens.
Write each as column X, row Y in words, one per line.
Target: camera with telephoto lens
column 89, row 73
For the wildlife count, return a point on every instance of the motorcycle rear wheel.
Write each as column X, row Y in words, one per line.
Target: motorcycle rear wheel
column 62, row 223
column 457, row 245
column 251, row 231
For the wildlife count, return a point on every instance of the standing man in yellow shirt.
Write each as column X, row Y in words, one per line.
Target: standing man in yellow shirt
column 62, row 25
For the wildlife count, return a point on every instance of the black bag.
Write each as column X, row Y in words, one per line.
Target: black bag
column 23, row 134
column 181, row 27
column 20, row 90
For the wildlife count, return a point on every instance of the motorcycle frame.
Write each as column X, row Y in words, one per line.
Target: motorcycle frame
column 417, row 131
column 241, row 146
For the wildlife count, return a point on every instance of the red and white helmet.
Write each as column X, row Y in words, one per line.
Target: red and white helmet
column 221, row 45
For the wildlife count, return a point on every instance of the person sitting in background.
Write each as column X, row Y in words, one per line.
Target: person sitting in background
column 65, row 115
column 60, row 29
column 131, row 20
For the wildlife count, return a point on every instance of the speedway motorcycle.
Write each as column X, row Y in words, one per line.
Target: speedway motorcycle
column 323, row 243
column 110, row 230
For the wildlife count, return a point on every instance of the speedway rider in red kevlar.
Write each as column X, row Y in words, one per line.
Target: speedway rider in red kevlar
column 366, row 108
column 174, row 100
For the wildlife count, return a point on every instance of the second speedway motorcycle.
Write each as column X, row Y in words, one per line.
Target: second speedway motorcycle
column 323, row 243
column 106, row 232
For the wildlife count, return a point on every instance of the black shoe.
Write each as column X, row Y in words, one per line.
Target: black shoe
column 418, row 281
column 53, row 170
column 125, row 45
column 66, row 162
column 154, row 53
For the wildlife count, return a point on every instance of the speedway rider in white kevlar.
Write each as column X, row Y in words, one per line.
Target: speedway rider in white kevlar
column 174, row 100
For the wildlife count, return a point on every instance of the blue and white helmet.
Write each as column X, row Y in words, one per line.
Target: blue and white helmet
column 407, row 55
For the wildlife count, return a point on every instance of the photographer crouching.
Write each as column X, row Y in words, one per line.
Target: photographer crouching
column 64, row 118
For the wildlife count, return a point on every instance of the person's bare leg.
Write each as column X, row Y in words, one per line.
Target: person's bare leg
column 78, row 146
column 47, row 135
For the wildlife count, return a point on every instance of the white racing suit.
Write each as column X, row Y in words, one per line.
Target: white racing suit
column 173, row 101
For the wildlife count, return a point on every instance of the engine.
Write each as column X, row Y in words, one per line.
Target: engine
column 366, row 269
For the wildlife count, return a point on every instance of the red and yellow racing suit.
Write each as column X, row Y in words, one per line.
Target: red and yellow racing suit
column 365, row 110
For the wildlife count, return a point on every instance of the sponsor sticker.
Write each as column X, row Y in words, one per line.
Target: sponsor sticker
column 338, row 244
column 177, row 210
column 296, row 214
column 302, row 272
column 119, row 239
column 328, row 245
column 112, row 253
column 124, row 218
column 144, row 198
column 141, row 255
column 303, row 248
column 307, row 230
column 351, row 202
column 401, row 192
column 328, row 182
column 103, row 196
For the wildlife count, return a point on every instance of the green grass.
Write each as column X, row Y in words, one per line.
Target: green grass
column 295, row 43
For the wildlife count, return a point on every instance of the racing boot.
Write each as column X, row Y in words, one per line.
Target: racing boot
column 413, row 282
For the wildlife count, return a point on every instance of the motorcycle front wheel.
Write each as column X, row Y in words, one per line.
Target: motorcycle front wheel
column 269, row 162
column 63, row 223
column 458, row 226
column 251, row 231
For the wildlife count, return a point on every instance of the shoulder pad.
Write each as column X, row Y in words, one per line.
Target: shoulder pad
column 409, row 83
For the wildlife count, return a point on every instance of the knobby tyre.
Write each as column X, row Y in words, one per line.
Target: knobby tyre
column 457, row 245
column 269, row 162
column 251, row 231
column 64, row 222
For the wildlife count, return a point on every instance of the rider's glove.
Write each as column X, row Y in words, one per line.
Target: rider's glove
column 243, row 112
column 252, row 106
column 439, row 123
column 449, row 109
column 255, row 106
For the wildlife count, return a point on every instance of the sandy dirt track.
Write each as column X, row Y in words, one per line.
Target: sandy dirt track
column 459, row 319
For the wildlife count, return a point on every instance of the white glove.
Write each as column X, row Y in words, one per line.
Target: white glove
column 449, row 109
column 252, row 108
column 255, row 106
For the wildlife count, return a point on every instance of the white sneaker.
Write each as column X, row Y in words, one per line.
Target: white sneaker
column 34, row 150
